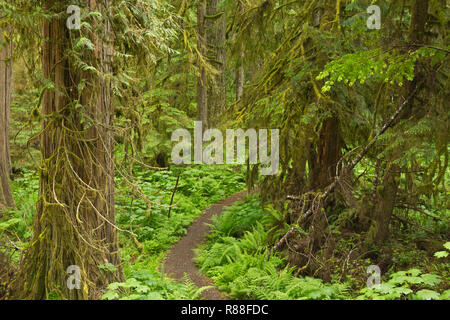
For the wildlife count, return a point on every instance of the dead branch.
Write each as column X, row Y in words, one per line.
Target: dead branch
column 347, row 169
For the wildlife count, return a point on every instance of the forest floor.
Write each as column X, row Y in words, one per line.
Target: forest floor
column 180, row 261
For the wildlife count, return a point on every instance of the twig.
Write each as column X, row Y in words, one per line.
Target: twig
column 431, row 47
column 345, row 264
column 421, row 211
column 173, row 193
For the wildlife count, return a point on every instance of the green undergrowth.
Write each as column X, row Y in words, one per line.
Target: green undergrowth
column 151, row 285
column 142, row 257
column 414, row 283
column 411, row 284
column 235, row 257
column 16, row 224
column 198, row 187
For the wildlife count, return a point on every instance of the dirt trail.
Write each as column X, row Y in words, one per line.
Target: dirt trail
column 180, row 258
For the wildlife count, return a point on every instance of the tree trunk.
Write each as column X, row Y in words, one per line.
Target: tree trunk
column 323, row 170
column 385, row 200
column 6, row 197
column 382, row 213
column 328, row 152
column 75, row 218
column 216, row 32
column 240, row 75
column 418, row 20
column 202, row 103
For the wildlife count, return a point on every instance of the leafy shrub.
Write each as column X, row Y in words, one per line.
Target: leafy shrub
column 443, row 254
column 145, row 285
column 410, row 284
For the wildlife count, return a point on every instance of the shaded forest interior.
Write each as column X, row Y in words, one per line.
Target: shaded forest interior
column 96, row 95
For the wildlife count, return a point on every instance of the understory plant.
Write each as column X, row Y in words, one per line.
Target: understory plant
column 239, row 266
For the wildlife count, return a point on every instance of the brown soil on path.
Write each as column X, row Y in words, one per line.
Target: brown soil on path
column 180, row 258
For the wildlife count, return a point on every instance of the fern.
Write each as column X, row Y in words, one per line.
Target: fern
column 240, row 267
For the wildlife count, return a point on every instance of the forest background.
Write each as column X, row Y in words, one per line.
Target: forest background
column 87, row 114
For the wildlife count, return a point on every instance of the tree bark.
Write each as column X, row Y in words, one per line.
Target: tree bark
column 215, row 35
column 240, row 72
column 386, row 196
column 75, row 219
column 328, row 152
column 419, row 18
column 323, row 170
column 382, row 212
column 240, row 76
column 6, row 197
column 202, row 102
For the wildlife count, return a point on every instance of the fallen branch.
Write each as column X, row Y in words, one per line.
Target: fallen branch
column 345, row 171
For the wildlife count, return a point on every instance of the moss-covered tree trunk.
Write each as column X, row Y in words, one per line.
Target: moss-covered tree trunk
column 386, row 193
column 240, row 72
column 202, row 102
column 216, row 53
column 328, row 147
column 6, row 198
column 382, row 212
column 323, row 168
column 74, row 223
column 240, row 75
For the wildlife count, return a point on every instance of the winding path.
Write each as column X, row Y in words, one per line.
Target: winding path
column 180, row 258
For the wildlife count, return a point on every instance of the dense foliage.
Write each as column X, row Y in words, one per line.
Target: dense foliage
column 236, row 261
column 86, row 122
